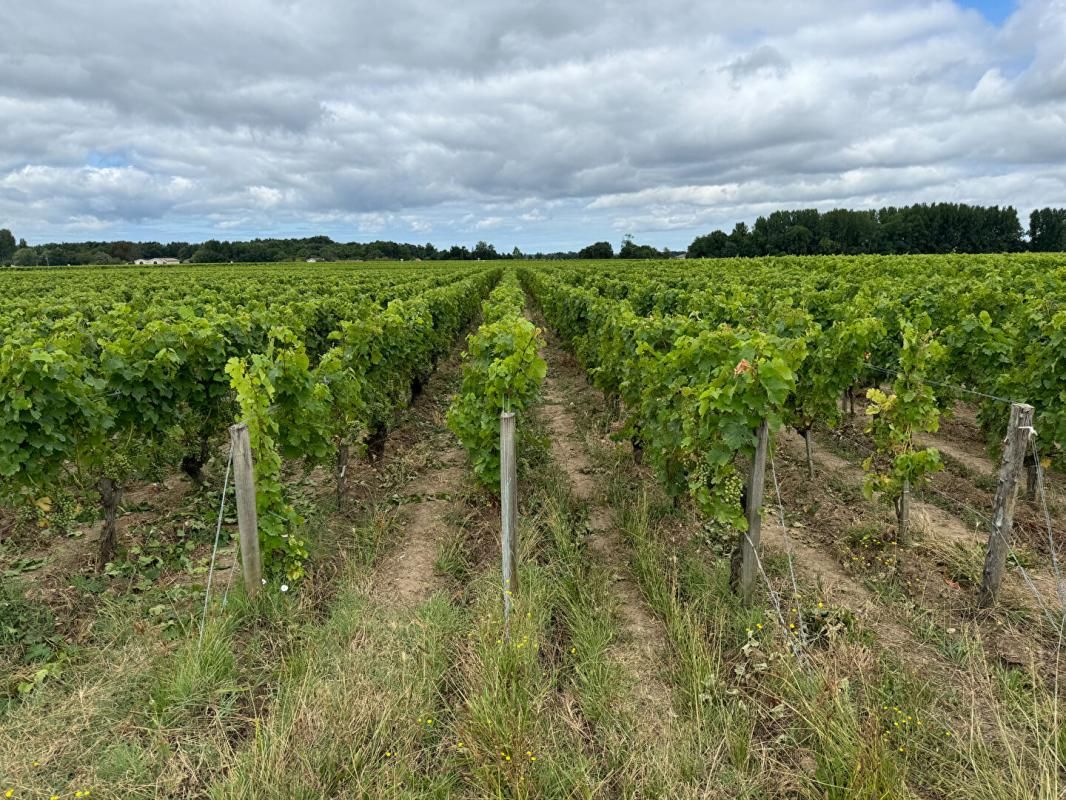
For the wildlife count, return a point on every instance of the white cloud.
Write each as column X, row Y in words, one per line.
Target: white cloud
column 552, row 119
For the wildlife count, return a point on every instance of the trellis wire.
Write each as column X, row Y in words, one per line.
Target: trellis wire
column 1059, row 585
column 774, row 597
column 1026, row 577
column 788, row 550
column 214, row 549
column 954, row 386
column 233, row 569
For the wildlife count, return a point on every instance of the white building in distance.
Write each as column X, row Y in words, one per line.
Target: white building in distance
column 157, row 261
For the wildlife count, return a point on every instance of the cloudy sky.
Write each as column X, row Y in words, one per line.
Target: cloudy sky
column 545, row 124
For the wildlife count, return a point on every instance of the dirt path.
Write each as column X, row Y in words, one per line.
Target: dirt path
column 974, row 462
column 640, row 651
column 947, row 537
column 839, row 588
column 932, row 520
column 430, row 463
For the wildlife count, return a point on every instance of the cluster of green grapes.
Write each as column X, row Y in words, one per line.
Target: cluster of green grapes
column 730, row 489
column 63, row 514
column 718, row 491
column 58, row 512
column 118, row 466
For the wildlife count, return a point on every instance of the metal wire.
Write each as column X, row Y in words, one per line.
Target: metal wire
column 788, row 550
column 946, row 385
column 1026, row 577
column 214, row 549
column 1047, row 521
column 774, row 597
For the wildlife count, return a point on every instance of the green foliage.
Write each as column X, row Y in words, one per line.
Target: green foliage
column 837, row 359
column 27, row 628
column 51, row 410
column 283, row 551
column 502, row 371
column 1040, row 377
column 100, row 379
column 754, row 377
column 895, row 418
column 695, row 391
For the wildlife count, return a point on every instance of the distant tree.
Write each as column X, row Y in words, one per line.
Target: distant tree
column 22, row 243
column 122, row 251
column 714, row 245
column 485, row 251
column 7, row 246
column 1047, row 230
column 742, row 241
column 631, row 249
column 25, row 257
column 206, row 255
column 597, row 250
column 516, row 253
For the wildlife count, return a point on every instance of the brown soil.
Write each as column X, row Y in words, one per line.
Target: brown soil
column 975, row 462
column 927, row 569
column 971, row 471
column 66, row 556
column 640, row 651
column 840, row 589
column 425, row 451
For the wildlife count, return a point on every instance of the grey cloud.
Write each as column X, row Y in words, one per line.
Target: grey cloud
column 762, row 58
column 409, row 116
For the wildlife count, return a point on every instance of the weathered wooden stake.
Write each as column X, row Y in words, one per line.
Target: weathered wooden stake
column 508, row 510
column 341, row 474
column 1017, row 442
column 749, row 541
column 1032, row 476
column 247, row 522
column 903, row 514
column 810, row 456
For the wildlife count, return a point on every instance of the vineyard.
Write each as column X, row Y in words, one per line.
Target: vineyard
column 785, row 527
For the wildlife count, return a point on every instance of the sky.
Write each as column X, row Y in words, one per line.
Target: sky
column 542, row 124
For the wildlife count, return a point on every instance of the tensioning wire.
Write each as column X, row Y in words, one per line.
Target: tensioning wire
column 214, row 549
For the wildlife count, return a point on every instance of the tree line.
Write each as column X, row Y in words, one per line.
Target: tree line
column 320, row 248
column 934, row 228
column 922, row 228
column 212, row 251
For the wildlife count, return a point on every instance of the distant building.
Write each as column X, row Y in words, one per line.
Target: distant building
column 313, row 260
column 157, row 261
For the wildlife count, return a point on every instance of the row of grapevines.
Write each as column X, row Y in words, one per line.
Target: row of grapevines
column 999, row 317
column 694, row 392
column 502, row 371
column 86, row 392
column 297, row 410
column 696, row 386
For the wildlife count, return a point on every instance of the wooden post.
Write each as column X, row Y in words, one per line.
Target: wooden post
column 1017, row 442
column 903, row 514
column 341, row 474
column 247, row 522
column 1032, row 476
column 810, row 456
column 508, row 509
column 749, row 541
